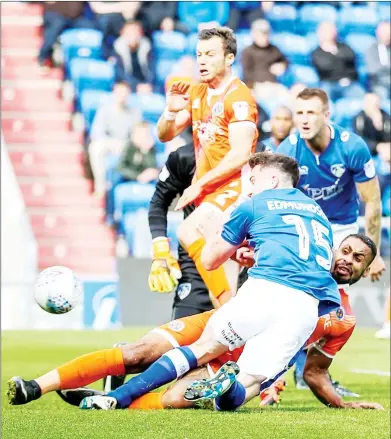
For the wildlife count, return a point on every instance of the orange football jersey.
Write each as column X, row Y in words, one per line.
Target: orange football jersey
column 212, row 111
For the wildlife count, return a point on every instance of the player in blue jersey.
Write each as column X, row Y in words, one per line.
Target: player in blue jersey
column 292, row 239
column 281, row 126
column 335, row 166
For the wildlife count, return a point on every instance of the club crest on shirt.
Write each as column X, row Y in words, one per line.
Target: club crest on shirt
column 369, row 169
column 218, row 109
column 240, row 110
column 338, row 169
column 196, row 103
column 340, row 313
column 176, row 325
column 345, row 136
column 183, row 290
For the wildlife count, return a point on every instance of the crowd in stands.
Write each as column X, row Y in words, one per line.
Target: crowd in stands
column 121, row 56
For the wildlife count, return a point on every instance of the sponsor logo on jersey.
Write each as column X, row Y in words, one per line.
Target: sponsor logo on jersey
column 324, row 193
column 303, row 170
column 369, row 169
column 338, row 169
column 240, row 110
column 176, row 325
column 164, row 174
column 183, row 290
column 345, row 136
column 218, row 109
column 196, row 103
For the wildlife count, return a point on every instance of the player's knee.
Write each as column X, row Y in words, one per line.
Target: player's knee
column 173, row 399
column 138, row 356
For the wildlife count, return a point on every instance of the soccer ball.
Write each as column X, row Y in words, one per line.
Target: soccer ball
column 57, row 290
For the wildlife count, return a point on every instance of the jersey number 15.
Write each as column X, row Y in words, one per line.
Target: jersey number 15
column 318, row 231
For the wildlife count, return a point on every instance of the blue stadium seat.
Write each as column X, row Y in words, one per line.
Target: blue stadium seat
column 363, row 75
column 295, row 47
column 386, row 106
column 131, row 196
column 360, row 19
column 80, row 43
column 282, row 18
column 360, row 43
column 311, row 15
column 128, row 228
column 90, row 100
column 163, row 70
column 244, row 40
column 245, row 6
column 384, row 11
column 195, row 13
column 113, row 178
column 152, row 106
column 306, row 75
column 192, row 41
column 169, row 45
column 345, row 111
column 88, row 74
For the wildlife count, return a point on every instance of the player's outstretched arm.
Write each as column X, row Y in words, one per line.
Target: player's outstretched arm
column 175, row 117
column 317, row 377
column 369, row 192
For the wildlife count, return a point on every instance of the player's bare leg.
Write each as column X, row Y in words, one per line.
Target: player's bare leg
column 126, row 359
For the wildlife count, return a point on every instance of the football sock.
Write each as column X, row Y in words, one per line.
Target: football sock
column 149, row 401
column 216, row 280
column 232, row 398
column 300, row 364
column 167, row 368
column 91, row 367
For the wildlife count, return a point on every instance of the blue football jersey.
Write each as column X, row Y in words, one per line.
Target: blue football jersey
column 292, row 239
column 330, row 178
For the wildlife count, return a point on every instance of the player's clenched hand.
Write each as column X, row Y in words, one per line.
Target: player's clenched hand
column 165, row 271
column 377, row 268
column 244, row 256
column 177, row 97
column 364, row 405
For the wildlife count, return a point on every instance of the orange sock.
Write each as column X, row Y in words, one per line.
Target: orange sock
column 149, row 401
column 216, row 280
column 91, row 367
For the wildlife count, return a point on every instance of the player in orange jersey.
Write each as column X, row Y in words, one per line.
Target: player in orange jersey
column 352, row 262
column 223, row 116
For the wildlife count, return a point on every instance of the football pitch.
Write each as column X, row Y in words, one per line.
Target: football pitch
column 300, row 416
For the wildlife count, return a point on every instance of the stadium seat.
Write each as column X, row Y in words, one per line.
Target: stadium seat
column 80, row 43
column 151, row 105
column 131, row 196
column 163, row 70
column 169, row 45
column 88, row 74
column 360, row 43
column 360, row 19
column 295, row 47
column 192, row 41
column 246, row 6
column 244, row 40
column 282, row 18
column 311, row 15
column 384, row 11
column 196, row 13
column 90, row 100
column 386, row 106
column 306, row 75
column 345, row 111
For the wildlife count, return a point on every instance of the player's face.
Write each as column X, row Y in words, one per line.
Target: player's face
column 351, row 261
column 211, row 61
column 310, row 117
column 282, row 124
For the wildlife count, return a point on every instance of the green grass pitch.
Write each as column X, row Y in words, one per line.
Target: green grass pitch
column 300, row 415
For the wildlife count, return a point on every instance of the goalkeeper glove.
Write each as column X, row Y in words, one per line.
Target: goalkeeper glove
column 165, row 270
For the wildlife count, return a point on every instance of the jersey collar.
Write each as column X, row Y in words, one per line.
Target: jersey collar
column 218, row 91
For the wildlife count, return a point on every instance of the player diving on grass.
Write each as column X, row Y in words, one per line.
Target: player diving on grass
column 351, row 263
column 223, row 115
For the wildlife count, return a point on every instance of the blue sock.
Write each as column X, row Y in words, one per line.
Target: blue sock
column 232, row 398
column 167, row 368
column 300, row 363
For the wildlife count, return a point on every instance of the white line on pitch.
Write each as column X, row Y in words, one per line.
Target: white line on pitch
column 371, row 372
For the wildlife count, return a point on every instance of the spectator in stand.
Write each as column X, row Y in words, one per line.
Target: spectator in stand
column 246, row 12
column 281, row 126
column 335, row 63
column 378, row 62
column 160, row 16
column 138, row 160
column 262, row 62
column 263, row 125
column 133, row 55
column 184, row 70
column 58, row 16
column 111, row 17
column 373, row 123
column 113, row 124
